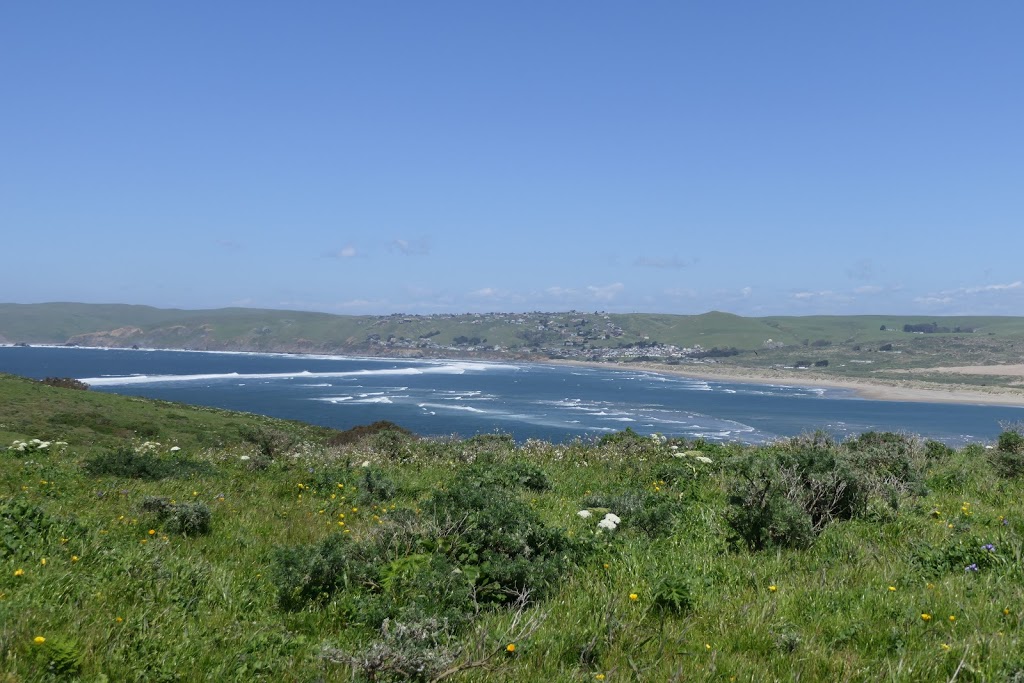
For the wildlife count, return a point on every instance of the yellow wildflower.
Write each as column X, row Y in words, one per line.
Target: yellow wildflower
column 926, row 617
column 634, row 597
column 152, row 532
column 892, row 588
column 74, row 558
column 952, row 618
column 511, row 647
column 39, row 640
column 773, row 588
column 19, row 572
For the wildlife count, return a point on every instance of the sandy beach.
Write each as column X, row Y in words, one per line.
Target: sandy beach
column 879, row 390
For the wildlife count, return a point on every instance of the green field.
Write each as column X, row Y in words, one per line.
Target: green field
column 150, row 541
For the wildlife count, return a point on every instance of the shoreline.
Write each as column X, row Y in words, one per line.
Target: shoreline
column 872, row 390
column 864, row 388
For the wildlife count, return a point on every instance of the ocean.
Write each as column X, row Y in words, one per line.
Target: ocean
column 527, row 400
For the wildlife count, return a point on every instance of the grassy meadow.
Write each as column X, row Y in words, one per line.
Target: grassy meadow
column 150, row 541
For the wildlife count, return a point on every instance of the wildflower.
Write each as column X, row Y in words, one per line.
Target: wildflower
column 971, row 568
column 704, row 459
column 989, row 547
column 926, row 617
column 74, row 558
column 19, row 572
column 1006, row 611
column 119, row 620
column 583, row 514
column 773, row 588
column 511, row 647
column 606, row 565
column 634, row 597
column 43, row 561
column 152, row 532
column 952, row 618
column 175, row 449
column 607, row 524
column 892, row 588
column 244, row 457
column 613, row 518
column 39, row 640
column 598, row 677
column 944, row 646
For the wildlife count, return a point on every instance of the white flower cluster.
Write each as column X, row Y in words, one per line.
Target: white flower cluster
column 696, row 455
column 610, row 522
column 34, row 445
column 149, row 446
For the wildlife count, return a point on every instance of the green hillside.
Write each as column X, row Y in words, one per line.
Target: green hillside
column 150, row 541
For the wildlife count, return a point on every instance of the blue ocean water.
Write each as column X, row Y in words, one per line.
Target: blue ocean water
column 448, row 397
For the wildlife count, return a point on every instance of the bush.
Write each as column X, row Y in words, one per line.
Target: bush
column 270, row 443
column 126, row 461
column 1008, row 458
column 190, row 518
column 65, row 383
column 786, row 497
column 360, row 432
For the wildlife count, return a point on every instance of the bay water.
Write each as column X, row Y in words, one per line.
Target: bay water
column 527, row 400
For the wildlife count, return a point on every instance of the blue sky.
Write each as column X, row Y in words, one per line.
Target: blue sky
column 759, row 158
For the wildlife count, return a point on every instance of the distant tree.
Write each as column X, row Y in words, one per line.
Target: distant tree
column 885, row 347
column 821, row 364
column 882, row 328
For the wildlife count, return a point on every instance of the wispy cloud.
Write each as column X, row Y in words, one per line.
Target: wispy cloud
column 672, row 262
column 414, row 247
column 993, row 288
column 605, row 292
column 348, row 251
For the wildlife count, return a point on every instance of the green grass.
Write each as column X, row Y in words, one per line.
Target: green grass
column 126, row 593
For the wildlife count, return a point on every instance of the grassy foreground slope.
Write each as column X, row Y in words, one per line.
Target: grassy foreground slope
column 161, row 542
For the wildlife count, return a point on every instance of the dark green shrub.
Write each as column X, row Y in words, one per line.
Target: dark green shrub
column 785, row 497
column 22, row 526
column 1008, row 458
column 65, row 383
column 360, row 432
column 936, row 450
column 1011, row 441
column 270, row 443
column 501, row 541
column 374, row 486
column 125, row 461
column 189, row 518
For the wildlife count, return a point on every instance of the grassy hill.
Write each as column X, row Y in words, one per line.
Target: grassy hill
column 150, row 541
column 123, row 325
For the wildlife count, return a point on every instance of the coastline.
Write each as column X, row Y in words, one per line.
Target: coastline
column 875, row 390
column 868, row 389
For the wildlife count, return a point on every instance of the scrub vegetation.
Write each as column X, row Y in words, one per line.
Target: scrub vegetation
column 150, row 541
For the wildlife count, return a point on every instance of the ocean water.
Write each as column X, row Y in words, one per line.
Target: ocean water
column 448, row 397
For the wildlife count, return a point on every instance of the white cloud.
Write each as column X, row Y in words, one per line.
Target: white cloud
column 485, row 293
column 606, row 292
column 994, row 288
column 415, row 247
column 746, row 292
